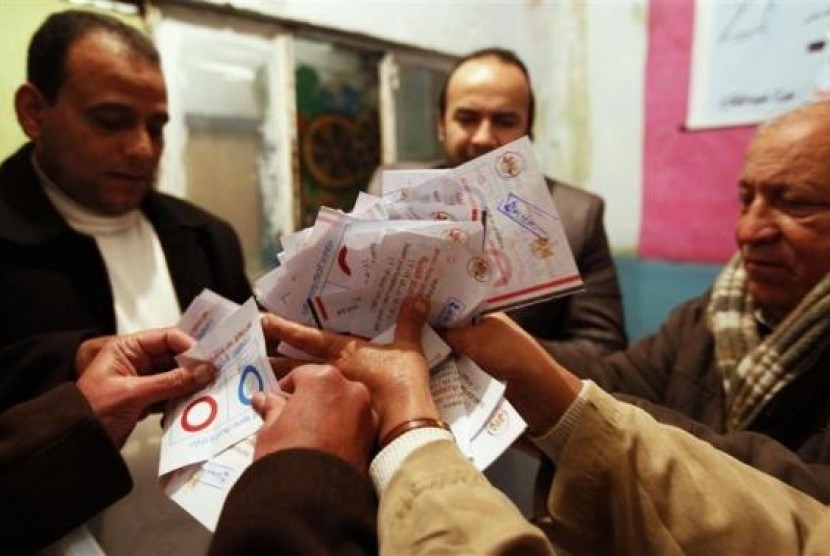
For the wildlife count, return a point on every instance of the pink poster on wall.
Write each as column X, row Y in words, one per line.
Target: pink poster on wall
column 690, row 198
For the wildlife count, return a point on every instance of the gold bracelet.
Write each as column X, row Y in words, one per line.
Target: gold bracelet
column 412, row 424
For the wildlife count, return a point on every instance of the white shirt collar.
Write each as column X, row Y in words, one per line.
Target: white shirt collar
column 80, row 218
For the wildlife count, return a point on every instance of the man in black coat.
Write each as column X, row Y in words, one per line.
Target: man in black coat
column 88, row 248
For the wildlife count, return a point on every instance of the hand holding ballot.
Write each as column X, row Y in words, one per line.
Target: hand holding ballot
column 363, row 294
column 482, row 237
column 396, row 374
column 130, row 373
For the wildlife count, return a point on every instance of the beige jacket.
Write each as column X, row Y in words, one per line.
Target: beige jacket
column 625, row 485
column 438, row 503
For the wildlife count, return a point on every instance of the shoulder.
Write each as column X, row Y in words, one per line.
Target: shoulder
column 167, row 210
column 17, row 173
column 18, row 161
column 565, row 193
column 691, row 315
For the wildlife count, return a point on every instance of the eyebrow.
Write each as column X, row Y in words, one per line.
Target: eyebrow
column 106, row 106
column 496, row 113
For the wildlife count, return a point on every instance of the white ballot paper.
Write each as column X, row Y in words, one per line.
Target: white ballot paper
column 526, row 244
column 209, row 436
column 483, row 423
column 393, row 180
column 481, row 237
column 201, row 489
column 200, row 426
column 204, row 313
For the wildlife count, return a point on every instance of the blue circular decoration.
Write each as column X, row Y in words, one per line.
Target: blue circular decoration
column 249, row 370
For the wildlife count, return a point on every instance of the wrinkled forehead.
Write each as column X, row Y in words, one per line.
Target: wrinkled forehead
column 801, row 136
column 791, row 159
column 808, row 125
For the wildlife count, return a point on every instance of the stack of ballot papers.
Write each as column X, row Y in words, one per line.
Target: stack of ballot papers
column 482, row 237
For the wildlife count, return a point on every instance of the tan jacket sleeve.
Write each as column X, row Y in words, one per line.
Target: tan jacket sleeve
column 626, row 484
column 438, row 503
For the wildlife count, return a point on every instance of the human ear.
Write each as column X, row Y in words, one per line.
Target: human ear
column 441, row 129
column 30, row 104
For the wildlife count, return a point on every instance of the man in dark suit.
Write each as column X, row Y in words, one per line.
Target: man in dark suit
column 486, row 102
column 88, row 248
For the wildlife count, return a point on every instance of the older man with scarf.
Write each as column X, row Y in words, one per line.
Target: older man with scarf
column 746, row 366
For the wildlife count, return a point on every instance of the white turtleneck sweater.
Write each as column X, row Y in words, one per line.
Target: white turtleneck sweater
column 146, row 521
column 142, row 290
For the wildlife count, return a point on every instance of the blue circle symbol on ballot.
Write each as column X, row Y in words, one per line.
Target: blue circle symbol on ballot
column 244, row 393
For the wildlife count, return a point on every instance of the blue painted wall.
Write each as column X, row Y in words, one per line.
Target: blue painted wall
column 652, row 288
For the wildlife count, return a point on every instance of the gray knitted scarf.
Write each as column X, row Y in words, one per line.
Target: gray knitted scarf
column 754, row 370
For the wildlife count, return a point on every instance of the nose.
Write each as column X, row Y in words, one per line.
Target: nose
column 140, row 145
column 757, row 224
column 485, row 136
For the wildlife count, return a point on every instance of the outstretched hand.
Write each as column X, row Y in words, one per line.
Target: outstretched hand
column 539, row 387
column 130, row 373
column 395, row 374
column 326, row 412
column 499, row 346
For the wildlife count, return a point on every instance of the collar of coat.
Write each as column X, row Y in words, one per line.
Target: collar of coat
column 27, row 216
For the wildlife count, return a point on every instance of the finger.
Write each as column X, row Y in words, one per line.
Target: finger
column 284, row 365
column 164, row 341
column 151, row 351
column 172, row 384
column 314, row 342
column 268, row 405
column 411, row 321
column 88, row 350
column 289, row 382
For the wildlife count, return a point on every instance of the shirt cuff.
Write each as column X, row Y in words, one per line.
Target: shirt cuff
column 553, row 441
column 390, row 459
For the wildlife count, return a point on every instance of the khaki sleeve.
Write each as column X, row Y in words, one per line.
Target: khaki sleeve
column 626, row 484
column 438, row 503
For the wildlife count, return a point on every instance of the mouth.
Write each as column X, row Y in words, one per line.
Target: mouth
column 765, row 269
column 130, row 178
column 762, row 263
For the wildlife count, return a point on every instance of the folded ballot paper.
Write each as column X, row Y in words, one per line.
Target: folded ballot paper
column 482, row 237
column 208, row 437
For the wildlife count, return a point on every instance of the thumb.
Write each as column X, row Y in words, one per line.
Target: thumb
column 411, row 320
column 173, row 384
column 267, row 405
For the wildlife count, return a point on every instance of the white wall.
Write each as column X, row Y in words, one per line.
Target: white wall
column 586, row 58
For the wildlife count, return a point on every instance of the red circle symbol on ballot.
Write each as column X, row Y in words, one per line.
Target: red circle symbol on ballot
column 188, row 425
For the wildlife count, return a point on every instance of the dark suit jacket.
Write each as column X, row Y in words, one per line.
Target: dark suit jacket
column 58, row 468
column 587, row 322
column 592, row 320
column 673, row 375
column 298, row 502
column 54, row 288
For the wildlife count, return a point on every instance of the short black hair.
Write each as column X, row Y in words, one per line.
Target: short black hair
column 49, row 47
column 506, row 57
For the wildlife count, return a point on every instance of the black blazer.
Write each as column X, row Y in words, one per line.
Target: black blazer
column 54, row 288
column 298, row 502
